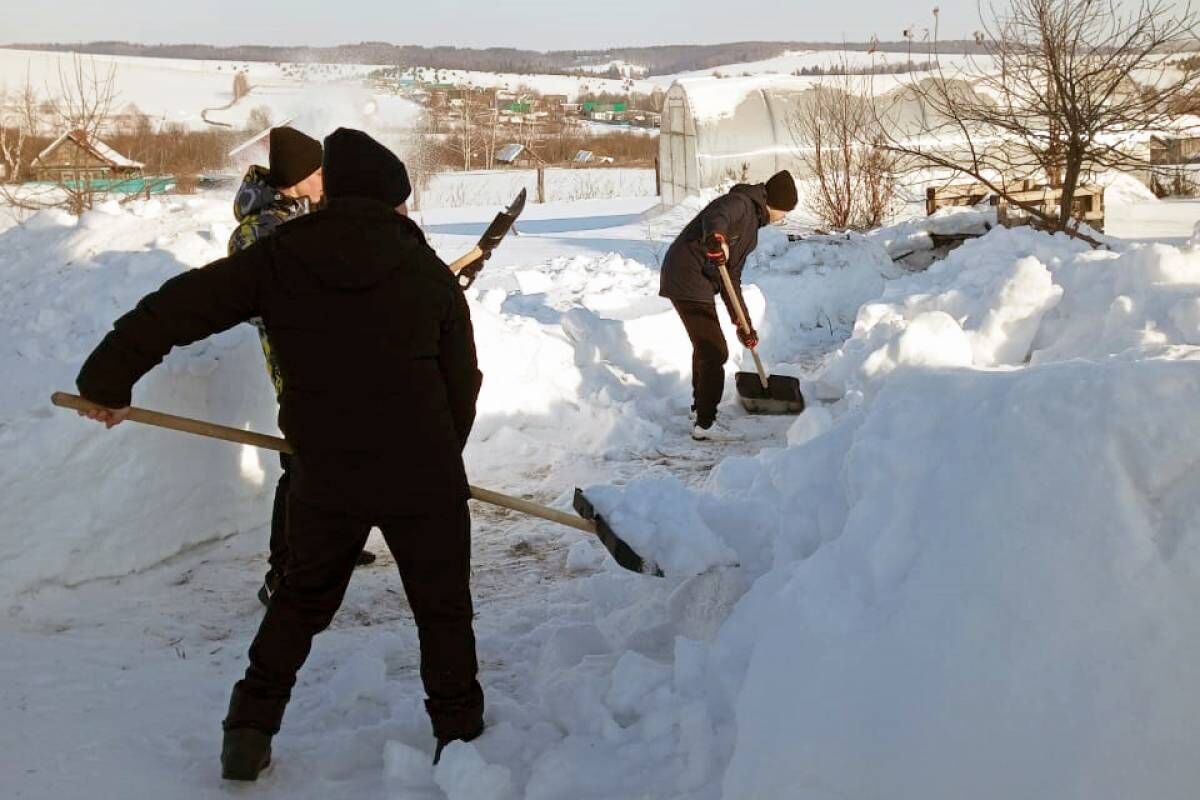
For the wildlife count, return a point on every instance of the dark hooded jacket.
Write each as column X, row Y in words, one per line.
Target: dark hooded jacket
column 686, row 272
column 373, row 339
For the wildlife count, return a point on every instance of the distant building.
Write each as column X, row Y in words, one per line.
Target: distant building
column 510, row 154
column 1169, row 150
column 256, row 149
column 76, row 157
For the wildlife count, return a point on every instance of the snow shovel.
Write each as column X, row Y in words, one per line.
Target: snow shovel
column 468, row 267
column 761, row 393
column 592, row 523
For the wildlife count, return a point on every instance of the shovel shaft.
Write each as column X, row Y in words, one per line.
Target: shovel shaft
column 239, row 436
column 742, row 322
column 183, row 424
column 457, row 265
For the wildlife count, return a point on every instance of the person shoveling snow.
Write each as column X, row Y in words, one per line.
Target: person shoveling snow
column 717, row 241
column 374, row 338
column 291, row 187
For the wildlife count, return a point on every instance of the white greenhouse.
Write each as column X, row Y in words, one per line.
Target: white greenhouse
column 720, row 129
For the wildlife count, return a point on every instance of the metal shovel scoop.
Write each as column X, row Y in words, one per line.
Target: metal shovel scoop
column 759, row 392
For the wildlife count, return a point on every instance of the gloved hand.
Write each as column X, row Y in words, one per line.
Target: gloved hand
column 748, row 337
column 716, row 249
column 467, row 275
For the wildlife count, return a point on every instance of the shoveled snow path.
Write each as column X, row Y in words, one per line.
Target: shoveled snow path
column 136, row 671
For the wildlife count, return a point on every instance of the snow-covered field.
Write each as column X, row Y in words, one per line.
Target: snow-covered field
column 968, row 570
column 459, row 189
column 178, row 90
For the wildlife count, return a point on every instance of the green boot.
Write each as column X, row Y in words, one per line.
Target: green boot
column 244, row 754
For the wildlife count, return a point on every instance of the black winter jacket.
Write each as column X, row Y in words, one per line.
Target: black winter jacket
column 374, row 342
column 686, row 272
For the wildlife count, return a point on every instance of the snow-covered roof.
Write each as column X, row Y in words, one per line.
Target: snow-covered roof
column 94, row 146
column 258, row 137
column 715, row 98
column 509, row 153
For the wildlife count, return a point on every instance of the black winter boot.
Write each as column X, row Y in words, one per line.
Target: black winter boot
column 244, row 754
column 365, row 558
column 441, row 743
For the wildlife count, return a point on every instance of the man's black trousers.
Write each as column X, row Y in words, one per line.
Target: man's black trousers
column 709, row 354
column 433, row 553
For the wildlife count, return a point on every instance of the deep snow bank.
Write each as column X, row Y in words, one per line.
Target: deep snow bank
column 582, row 361
column 975, row 570
column 79, row 503
column 1001, row 600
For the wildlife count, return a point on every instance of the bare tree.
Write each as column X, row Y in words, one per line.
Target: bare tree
column 837, row 139
column 259, row 119
column 241, row 86
column 467, row 134
column 19, row 121
column 85, row 96
column 1064, row 87
column 81, row 105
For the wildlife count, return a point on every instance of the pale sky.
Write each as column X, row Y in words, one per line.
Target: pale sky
column 527, row 24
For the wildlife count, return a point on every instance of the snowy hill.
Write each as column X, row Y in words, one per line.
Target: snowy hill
column 969, row 569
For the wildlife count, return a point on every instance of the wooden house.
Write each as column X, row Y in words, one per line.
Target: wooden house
column 76, row 157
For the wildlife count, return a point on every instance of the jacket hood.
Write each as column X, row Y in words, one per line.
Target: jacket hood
column 256, row 195
column 354, row 243
column 757, row 194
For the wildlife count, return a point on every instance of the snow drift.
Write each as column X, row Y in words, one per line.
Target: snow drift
column 979, row 566
column 969, row 569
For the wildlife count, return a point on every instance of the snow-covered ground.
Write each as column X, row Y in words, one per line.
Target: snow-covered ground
column 178, row 90
column 459, row 189
column 969, row 569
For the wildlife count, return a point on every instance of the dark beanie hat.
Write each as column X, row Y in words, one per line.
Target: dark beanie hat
column 294, row 157
column 781, row 191
column 358, row 166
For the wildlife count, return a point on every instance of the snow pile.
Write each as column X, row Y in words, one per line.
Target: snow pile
column 916, row 235
column 64, row 282
column 659, row 517
column 1123, row 189
column 982, row 306
column 499, row 187
column 982, row 567
column 814, row 284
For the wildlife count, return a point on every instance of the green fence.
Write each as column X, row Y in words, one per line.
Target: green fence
column 129, row 186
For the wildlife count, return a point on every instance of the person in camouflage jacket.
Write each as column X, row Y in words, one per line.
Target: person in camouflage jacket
column 268, row 198
column 259, row 209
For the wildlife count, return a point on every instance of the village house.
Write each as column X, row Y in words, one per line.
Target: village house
column 76, row 157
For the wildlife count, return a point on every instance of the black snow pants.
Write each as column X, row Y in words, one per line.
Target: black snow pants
column 277, row 559
column 433, row 553
column 709, row 354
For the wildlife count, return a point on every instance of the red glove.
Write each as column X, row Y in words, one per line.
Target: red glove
column 748, row 337
column 714, row 248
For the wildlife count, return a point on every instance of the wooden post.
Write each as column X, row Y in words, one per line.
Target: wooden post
column 657, row 178
column 541, row 187
column 930, row 201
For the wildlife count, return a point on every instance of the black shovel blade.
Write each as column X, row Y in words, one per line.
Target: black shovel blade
column 782, row 395
column 502, row 224
column 622, row 553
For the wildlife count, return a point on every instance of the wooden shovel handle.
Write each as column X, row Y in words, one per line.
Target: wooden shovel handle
column 239, row 436
column 184, row 424
column 457, row 265
column 742, row 322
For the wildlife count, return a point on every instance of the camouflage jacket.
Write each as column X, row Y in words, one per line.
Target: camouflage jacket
column 259, row 209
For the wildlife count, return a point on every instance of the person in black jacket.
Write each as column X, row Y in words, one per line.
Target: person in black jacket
column 374, row 341
column 268, row 198
column 725, row 232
